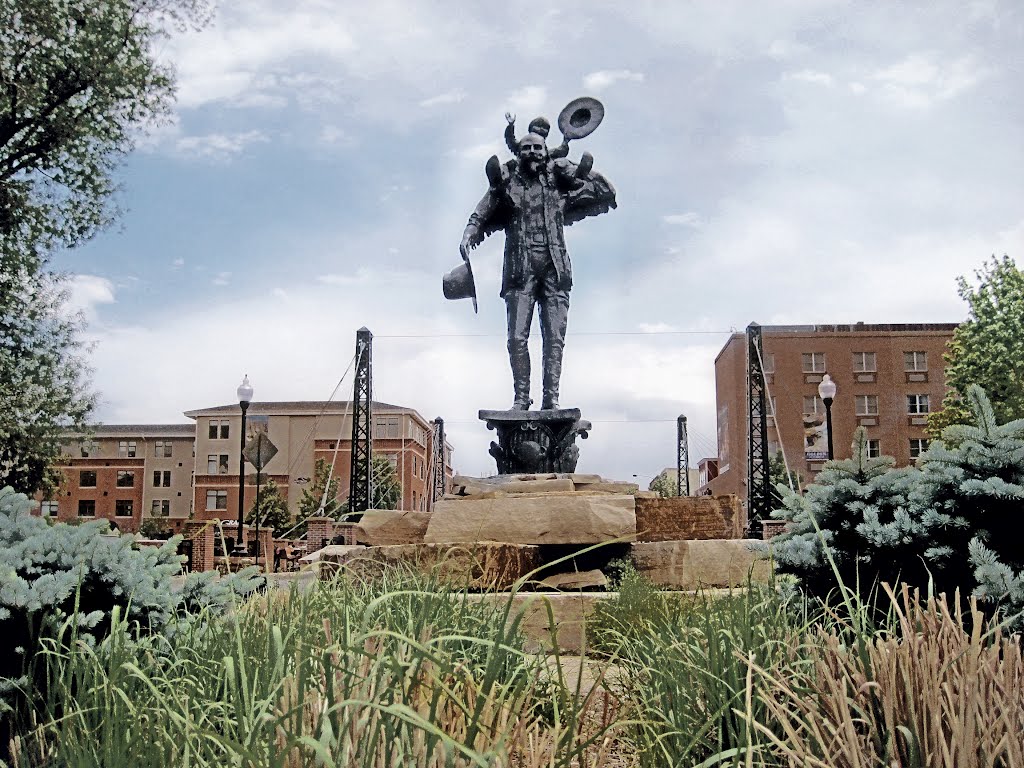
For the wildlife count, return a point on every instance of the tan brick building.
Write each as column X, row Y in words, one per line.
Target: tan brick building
column 124, row 472
column 888, row 378
column 181, row 471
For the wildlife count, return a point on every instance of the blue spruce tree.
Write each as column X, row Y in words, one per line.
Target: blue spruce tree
column 971, row 493
column 858, row 514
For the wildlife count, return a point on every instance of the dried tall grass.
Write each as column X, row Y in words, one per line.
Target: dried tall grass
column 928, row 693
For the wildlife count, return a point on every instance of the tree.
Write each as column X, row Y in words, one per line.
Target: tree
column 80, row 80
column 385, row 487
column 272, row 509
column 988, row 348
column 858, row 513
column 665, row 484
column 44, row 380
column 313, row 497
column 971, row 491
column 778, row 475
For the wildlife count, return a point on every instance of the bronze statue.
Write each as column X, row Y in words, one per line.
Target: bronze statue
column 532, row 198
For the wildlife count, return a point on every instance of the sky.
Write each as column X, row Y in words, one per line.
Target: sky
column 792, row 161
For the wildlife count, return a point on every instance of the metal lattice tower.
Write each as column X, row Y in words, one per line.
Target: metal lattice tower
column 682, row 458
column 758, row 483
column 360, row 490
column 439, row 480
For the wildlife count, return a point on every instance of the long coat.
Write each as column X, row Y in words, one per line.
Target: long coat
column 505, row 207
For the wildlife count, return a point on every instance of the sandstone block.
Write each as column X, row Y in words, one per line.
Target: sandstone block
column 608, row 486
column 707, row 563
column 539, row 486
column 540, row 518
column 575, row 580
column 688, row 517
column 379, row 527
column 479, row 565
column 580, row 478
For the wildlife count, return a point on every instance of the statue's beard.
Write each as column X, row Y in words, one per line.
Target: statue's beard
column 532, row 166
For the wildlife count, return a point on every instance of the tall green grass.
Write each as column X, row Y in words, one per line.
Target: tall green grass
column 400, row 672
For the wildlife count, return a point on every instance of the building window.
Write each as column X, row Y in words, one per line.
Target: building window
column 161, row 508
column 388, row 427
column 162, row 478
column 48, row 508
column 414, row 500
column 864, row 362
column 392, row 459
column 867, row 405
column 813, row 404
column 874, row 449
column 918, row 445
column 217, row 464
column 423, row 469
column 87, row 479
column 162, row 449
column 88, row 449
column 219, row 429
column 813, row 362
column 216, row 500
column 125, row 478
column 914, row 362
column 415, row 465
column 769, row 363
column 86, row 508
column 123, row 508
column 917, row 404
column 126, row 449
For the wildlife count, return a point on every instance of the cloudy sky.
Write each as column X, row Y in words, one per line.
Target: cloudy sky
column 793, row 161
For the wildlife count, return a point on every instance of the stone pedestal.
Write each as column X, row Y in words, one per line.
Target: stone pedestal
column 536, row 441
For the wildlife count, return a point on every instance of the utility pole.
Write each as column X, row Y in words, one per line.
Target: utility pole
column 758, row 479
column 682, row 458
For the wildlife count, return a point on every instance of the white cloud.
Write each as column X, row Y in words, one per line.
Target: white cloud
column 528, row 99
column 218, row 146
column 87, row 292
column 598, row 81
column 178, row 263
column 688, row 219
column 922, row 79
column 811, row 76
column 222, row 278
column 448, row 97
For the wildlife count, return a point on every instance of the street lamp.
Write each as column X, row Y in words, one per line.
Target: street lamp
column 827, row 392
column 244, row 396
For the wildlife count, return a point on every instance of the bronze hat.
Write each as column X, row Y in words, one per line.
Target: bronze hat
column 459, row 284
column 580, row 117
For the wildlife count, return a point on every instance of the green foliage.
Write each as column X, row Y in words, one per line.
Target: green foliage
column 44, row 379
column 84, row 80
column 154, row 528
column 312, row 497
column 857, row 514
column 272, row 510
column 777, row 475
column 971, row 491
column 53, row 575
column 988, row 348
column 665, row 485
column 385, row 486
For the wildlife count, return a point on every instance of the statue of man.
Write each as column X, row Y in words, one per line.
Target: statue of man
column 532, row 201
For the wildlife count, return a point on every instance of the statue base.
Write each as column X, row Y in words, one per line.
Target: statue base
column 536, row 441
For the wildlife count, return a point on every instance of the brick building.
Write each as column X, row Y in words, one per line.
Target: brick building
column 123, row 472
column 888, row 378
column 181, row 471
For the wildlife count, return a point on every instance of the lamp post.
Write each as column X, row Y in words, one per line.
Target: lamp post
column 244, row 396
column 827, row 392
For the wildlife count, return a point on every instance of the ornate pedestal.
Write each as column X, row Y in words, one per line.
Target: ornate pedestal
column 536, row 441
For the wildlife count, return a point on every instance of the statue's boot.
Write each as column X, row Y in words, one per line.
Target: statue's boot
column 552, row 376
column 520, row 360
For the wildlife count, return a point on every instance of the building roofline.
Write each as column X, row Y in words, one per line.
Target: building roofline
column 796, row 330
column 157, row 430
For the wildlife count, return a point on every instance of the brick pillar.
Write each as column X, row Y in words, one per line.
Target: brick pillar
column 267, row 549
column 200, row 533
column 320, row 531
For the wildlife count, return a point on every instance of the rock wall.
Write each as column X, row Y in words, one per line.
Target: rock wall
column 689, row 517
